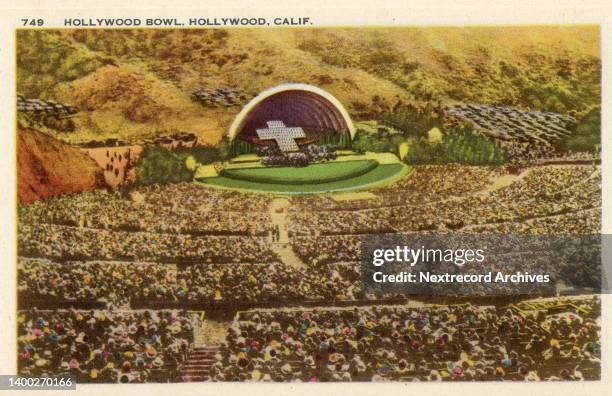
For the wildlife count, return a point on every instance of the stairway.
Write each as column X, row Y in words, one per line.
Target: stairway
column 197, row 366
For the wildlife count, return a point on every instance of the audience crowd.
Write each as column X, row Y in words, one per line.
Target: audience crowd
column 180, row 244
column 65, row 242
column 425, row 184
column 272, row 156
column 391, row 343
column 124, row 284
column 177, row 208
column 525, row 154
column 104, row 346
column 566, row 194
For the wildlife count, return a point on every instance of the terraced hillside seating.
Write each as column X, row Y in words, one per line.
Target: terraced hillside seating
column 514, row 124
column 67, row 242
column 137, row 284
column 182, row 208
column 176, row 140
column 218, row 97
column 425, row 184
column 565, row 194
column 44, row 107
column 103, row 345
column 391, row 343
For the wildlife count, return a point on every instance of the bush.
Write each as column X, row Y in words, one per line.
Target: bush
column 421, row 152
column 380, row 142
column 459, row 146
column 412, row 121
column 224, row 149
column 587, row 134
column 340, row 140
column 202, row 154
column 159, row 165
column 239, row 147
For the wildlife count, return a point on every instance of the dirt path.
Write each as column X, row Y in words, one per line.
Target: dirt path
column 278, row 215
column 501, row 182
column 281, row 246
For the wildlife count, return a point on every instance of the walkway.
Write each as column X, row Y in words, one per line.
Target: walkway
column 281, row 246
column 208, row 337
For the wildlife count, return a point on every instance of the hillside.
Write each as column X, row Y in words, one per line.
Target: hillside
column 48, row 167
column 134, row 84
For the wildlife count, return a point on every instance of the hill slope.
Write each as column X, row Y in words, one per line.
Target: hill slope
column 48, row 167
column 135, row 84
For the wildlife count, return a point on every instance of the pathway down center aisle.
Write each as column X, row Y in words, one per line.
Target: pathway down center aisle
column 279, row 239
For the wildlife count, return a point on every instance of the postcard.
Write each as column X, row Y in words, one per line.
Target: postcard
column 226, row 199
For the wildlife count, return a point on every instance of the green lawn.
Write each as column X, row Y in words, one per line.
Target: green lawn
column 311, row 174
column 380, row 175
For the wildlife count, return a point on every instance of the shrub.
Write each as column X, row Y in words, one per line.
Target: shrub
column 190, row 163
column 202, row 154
column 587, row 134
column 412, row 121
column 224, row 149
column 459, row 146
column 381, row 141
column 238, row 147
column 159, row 165
column 340, row 140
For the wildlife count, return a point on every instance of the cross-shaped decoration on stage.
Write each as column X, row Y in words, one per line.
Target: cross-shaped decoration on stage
column 284, row 136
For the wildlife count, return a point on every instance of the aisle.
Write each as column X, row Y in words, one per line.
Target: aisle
column 280, row 243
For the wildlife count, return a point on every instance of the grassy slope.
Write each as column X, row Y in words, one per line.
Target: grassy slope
column 314, row 173
column 136, row 83
column 382, row 174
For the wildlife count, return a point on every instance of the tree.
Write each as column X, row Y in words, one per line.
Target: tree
column 380, row 142
column 224, row 149
column 413, row 122
column 458, row 146
column 201, row 154
column 587, row 134
column 159, row 165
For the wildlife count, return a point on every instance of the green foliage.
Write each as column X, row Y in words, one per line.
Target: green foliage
column 380, row 142
column 412, row 121
column 311, row 174
column 383, row 59
column 380, row 174
column 238, row 147
column 341, row 140
column 459, row 146
column 159, row 165
column 421, row 152
column 156, row 45
column 564, row 77
column 572, row 83
column 46, row 59
column 587, row 134
column 224, row 149
column 202, row 154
